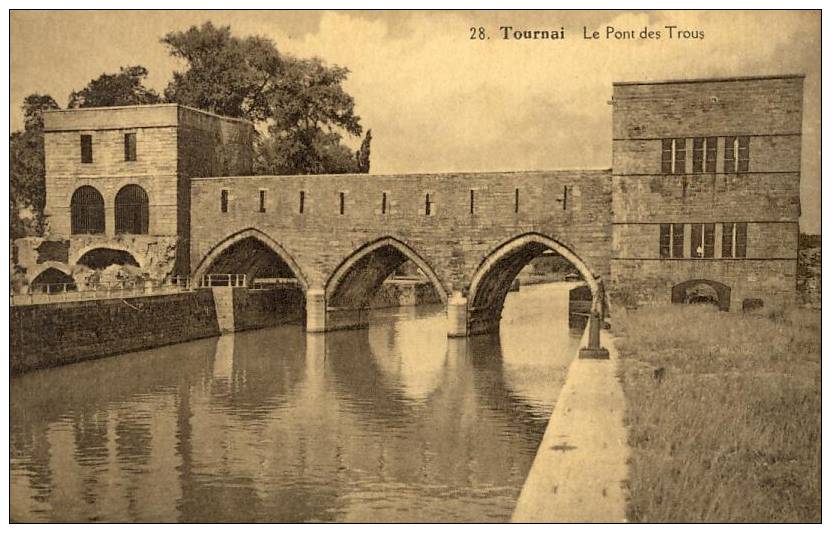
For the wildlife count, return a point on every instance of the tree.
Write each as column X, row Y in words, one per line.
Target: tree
column 225, row 74
column 33, row 107
column 27, row 178
column 124, row 88
column 300, row 104
column 362, row 154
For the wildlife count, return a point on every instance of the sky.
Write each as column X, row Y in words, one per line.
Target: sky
column 437, row 100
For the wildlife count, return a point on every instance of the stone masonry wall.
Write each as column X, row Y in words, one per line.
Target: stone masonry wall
column 208, row 145
column 452, row 240
column 264, row 308
column 769, row 111
column 43, row 336
column 154, row 171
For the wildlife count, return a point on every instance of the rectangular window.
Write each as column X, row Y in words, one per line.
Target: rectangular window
column 698, row 155
column 741, row 240
column 736, row 154
column 383, row 203
column 678, row 240
column 428, row 205
column 730, row 144
column 744, row 153
column 262, row 200
column 702, row 240
column 711, row 149
column 704, row 155
column 86, row 148
column 342, row 202
column 472, row 201
column 516, row 200
column 709, row 240
column 666, row 155
column 679, row 164
column 302, row 200
column 223, row 200
column 129, row 147
column 664, row 241
column 673, row 155
column 734, row 240
column 696, row 241
column 728, row 235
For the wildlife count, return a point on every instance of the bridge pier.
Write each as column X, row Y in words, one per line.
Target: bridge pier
column 315, row 310
column 456, row 315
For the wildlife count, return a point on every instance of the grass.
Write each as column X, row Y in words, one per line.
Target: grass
column 729, row 429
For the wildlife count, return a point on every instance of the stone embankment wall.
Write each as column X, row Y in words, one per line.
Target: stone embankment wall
column 50, row 335
column 265, row 308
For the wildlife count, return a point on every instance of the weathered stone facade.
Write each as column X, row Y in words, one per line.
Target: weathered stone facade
column 346, row 251
column 766, row 110
column 172, row 143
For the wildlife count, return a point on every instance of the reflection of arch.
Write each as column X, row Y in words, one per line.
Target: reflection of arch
column 52, row 275
column 103, row 257
column 86, row 209
column 702, row 291
column 357, row 278
column 132, row 210
column 497, row 271
column 249, row 234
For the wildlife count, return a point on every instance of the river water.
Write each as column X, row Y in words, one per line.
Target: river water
column 392, row 423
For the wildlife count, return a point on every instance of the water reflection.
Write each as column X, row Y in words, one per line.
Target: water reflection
column 395, row 422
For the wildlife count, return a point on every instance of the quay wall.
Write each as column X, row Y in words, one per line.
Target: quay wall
column 55, row 334
column 49, row 335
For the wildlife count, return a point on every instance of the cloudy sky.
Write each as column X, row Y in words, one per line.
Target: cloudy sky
column 438, row 101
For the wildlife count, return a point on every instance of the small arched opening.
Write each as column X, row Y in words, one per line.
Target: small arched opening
column 52, row 281
column 86, row 211
column 702, row 291
column 132, row 211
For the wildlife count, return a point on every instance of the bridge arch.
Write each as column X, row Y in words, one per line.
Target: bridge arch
column 361, row 274
column 258, row 241
column 493, row 278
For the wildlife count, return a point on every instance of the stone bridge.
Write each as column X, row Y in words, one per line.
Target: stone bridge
column 341, row 236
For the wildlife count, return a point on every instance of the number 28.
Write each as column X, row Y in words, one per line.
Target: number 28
column 477, row 33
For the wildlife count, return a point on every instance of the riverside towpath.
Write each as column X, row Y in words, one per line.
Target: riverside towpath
column 581, row 464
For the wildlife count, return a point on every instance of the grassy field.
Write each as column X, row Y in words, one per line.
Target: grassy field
column 723, row 412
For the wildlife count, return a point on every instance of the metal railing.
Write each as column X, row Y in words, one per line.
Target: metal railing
column 223, row 280
column 269, row 283
column 48, row 293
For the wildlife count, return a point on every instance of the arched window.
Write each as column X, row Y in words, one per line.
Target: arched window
column 87, row 211
column 132, row 212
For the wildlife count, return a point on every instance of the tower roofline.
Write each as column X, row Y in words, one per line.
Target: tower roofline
column 55, row 114
column 708, row 80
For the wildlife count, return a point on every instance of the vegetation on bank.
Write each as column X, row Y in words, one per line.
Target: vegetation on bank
column 723, row 413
